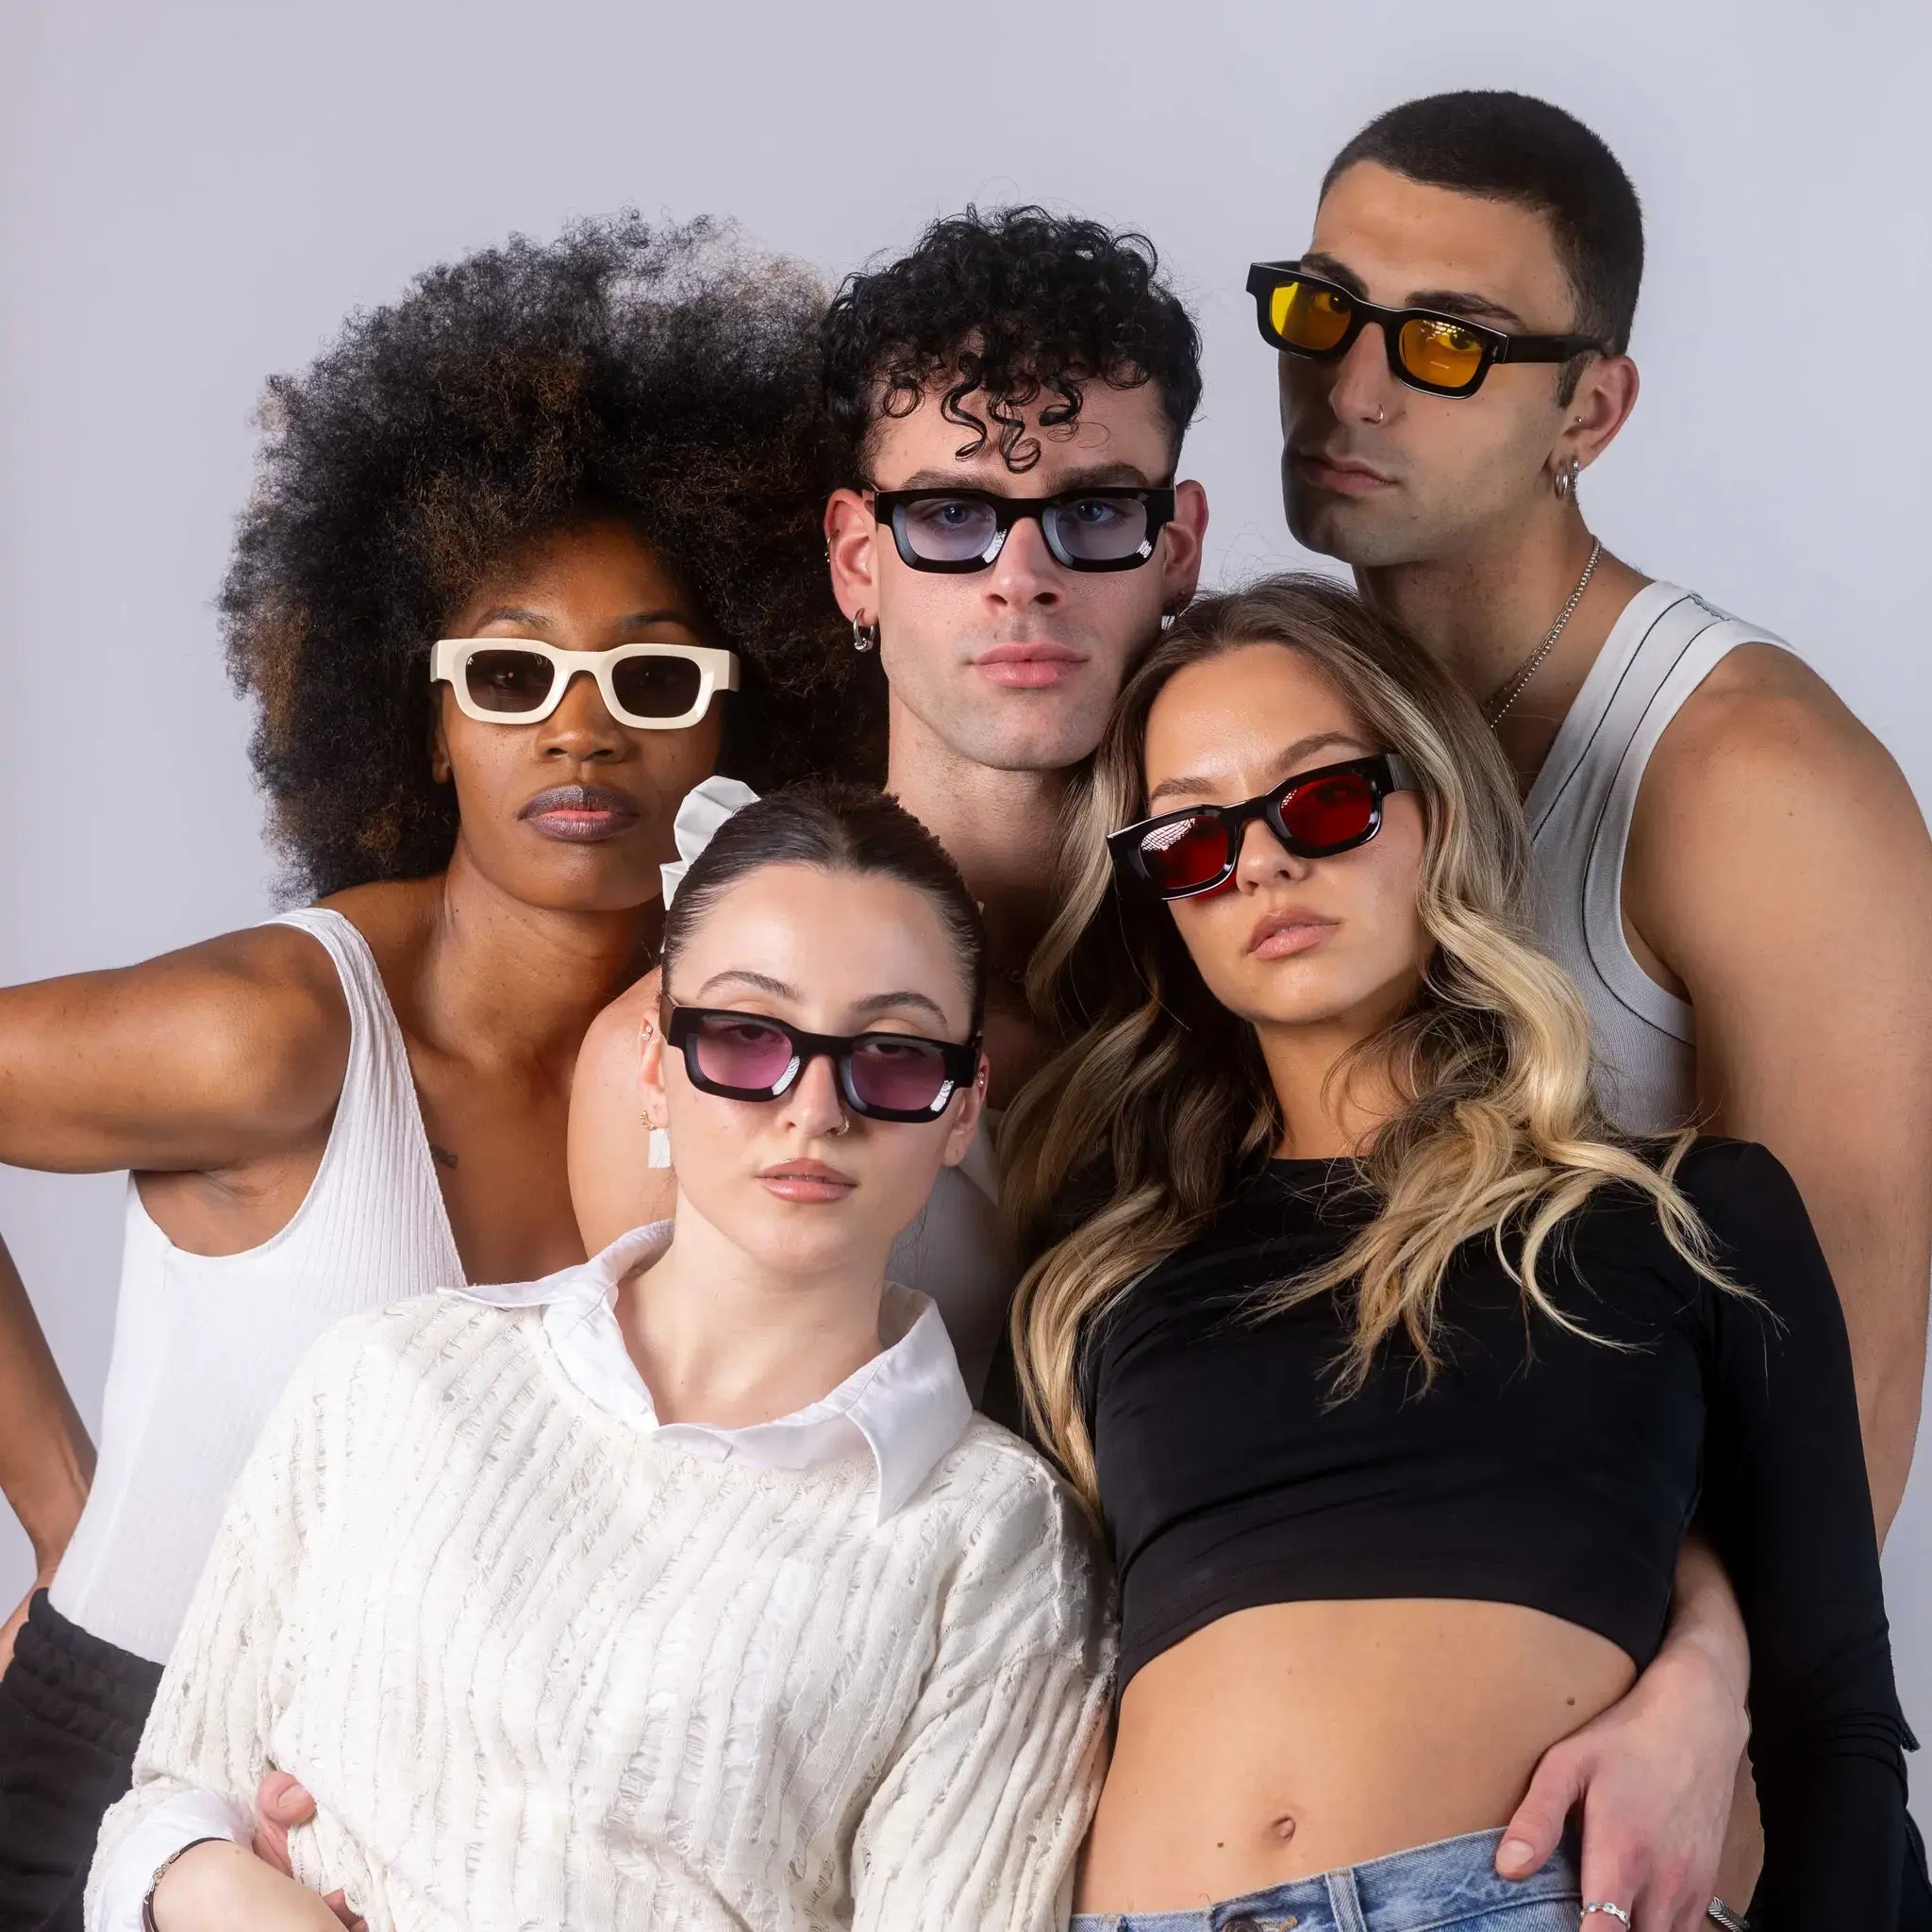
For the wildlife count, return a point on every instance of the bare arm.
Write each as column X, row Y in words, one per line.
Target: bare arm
column 202, row 1060
column 1779, row 868
column 612, row 1185
column 47, row 1460
column 1653, row 1775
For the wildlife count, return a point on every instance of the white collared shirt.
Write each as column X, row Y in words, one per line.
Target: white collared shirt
column 906, row 1407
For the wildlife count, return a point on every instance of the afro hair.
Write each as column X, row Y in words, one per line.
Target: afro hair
column 662, row 376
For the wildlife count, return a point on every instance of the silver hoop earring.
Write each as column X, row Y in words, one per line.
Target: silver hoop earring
column 1566, row 480
column 865, row 637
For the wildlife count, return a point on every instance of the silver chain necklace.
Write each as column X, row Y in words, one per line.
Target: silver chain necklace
column 1520, row 682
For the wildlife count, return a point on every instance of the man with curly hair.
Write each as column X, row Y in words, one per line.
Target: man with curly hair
column 533, row 551
column 1007, row 401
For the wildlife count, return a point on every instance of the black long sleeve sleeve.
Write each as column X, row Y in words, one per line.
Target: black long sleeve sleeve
column 1788, row 1507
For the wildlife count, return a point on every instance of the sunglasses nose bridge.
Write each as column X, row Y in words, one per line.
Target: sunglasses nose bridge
column 815, row 1101
column 1260, row 853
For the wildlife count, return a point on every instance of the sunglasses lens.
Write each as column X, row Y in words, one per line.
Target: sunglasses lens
column 904, row 1075
column 1439, row 354
column 1185, row 856
column 741, row 1050
column 510, row 682
column 1307, row 317
column 1099, row 529
column 656, row 687
column 948, row 529
column 1330, row 813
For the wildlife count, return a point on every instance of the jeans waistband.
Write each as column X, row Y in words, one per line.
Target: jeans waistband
column 1446, row 1884
column 84, row 1685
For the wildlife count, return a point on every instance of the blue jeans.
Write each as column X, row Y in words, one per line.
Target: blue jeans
column 1453, row 1883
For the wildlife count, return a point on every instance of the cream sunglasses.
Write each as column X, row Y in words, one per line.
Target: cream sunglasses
column 522, row 681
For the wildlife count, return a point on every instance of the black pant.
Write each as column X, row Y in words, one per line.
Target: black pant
column 71, row 1712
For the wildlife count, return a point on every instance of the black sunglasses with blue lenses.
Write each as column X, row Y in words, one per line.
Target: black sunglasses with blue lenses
column 1104, row 528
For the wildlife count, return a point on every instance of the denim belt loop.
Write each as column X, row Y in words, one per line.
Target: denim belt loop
column 1345, row 1902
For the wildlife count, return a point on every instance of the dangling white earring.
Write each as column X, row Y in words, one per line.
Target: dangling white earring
column 659, row 1155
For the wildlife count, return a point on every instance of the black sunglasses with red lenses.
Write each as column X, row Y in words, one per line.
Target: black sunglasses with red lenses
column 885, row 1077
column 1315, row 815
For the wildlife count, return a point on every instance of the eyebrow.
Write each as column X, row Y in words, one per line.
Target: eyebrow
column 1089, row 477
column 1456, row 301
column 537, row 620
column 866, row 1009
column 1286, row 764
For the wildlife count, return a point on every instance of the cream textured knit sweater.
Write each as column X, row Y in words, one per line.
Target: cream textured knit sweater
column 542, row 1670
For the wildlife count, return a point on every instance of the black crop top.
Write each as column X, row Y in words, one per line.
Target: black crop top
column 1540, row 1469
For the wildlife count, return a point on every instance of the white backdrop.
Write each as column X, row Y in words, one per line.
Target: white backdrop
column 193, row 196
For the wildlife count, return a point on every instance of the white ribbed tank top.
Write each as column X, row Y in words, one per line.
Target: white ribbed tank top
column 1664, row 645
column 203, row 1344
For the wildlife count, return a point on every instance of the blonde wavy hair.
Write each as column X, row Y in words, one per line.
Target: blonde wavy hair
column 1120, row 1152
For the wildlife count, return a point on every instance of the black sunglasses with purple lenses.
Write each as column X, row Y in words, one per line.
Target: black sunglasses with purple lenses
column 1315, row 814
column 885, row 1077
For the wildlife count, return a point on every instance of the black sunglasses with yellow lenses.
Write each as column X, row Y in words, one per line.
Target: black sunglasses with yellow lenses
column 1443, row 355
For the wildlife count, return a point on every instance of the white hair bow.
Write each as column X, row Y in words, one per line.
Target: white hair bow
column 705, row 809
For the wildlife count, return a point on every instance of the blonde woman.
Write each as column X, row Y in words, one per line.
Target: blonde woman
column 1396, row 1378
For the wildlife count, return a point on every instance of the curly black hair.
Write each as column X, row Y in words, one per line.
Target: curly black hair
column 657, row 375
column 1010, row 302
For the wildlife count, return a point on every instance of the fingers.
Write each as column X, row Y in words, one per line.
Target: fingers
column 1610, row 1876
column 337, row 1901
column 280, row 1803
column 283, row 1799
column 1531, row 1836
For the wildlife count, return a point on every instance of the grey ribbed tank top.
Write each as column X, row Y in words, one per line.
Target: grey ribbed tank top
column 1665, row 644
column 203, row 1344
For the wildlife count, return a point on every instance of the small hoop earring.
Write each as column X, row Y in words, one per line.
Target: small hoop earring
column 1566, row 480
column 844, row 1126
column 865, row 637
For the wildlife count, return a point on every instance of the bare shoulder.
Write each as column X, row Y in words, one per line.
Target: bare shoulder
column 1762, row 716
column 610, row 1043
column 1766, row 794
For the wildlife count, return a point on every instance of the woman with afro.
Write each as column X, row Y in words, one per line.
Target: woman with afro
column 533, row 552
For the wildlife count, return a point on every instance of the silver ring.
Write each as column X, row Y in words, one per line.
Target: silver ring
column 1726, row 1916
column 1608, row 1910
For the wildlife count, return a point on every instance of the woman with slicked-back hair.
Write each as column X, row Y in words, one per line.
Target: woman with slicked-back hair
column 532, row 552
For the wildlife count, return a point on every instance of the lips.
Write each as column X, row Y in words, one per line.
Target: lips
column 1028, row 666
column 1346, row 475
column 806, row 1181
column 1286, row 931
column 580, row 814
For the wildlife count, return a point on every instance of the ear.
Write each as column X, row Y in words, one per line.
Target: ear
column 850, row 532
column 652, row 1100
column 1606, row 394
column 438, row 739
column 966, row 1122
column 1181, row 543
